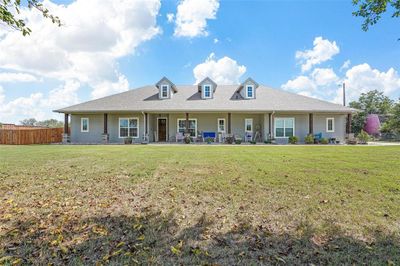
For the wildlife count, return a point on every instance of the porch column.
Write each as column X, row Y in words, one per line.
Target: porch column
column 270, row 125
column 65, row 136
column 105, row 128
column 146, row 119
column 310, row 124
column 271, row 121
column 187, row 124
column 229, row 123
column 348, row 124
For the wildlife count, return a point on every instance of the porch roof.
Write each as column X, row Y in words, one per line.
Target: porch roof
column 188, row 99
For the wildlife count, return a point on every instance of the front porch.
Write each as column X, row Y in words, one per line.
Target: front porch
column 202, row 127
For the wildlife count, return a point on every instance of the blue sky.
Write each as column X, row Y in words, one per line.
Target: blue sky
column 229, row 40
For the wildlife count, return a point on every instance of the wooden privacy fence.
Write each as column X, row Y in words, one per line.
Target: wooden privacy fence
column 31, row 136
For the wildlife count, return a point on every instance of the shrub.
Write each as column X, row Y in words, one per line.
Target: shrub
column 268, row 141
column 293, row 139
column 253, row 142
column 229, row 140
column 128, row 140
column 238, row 141
column 324, row 141
column 209, row 140
column 187, row 139
column 309, row 139
column 363, row 137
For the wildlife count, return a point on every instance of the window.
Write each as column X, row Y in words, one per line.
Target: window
column 248, row 125
column 84, row 124
column 207, row 91
column 128, row 127
column 330, row 124
column 249, row 91
column 221, row 124
column 192, row 126
column 164, row 91
column 284, row 127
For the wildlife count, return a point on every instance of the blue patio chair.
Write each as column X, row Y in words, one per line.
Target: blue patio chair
column 318, row 137
column 207, row 135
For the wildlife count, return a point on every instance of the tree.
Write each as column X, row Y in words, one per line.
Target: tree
column 392, row 125
column 49, row 123
column 10, row 8
column 28, row 122
column 372, row 102
column 372, row 10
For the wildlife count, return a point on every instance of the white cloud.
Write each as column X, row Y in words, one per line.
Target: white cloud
column 216, row 40
column 345, row 65
column 170, row 17
column 322, row 51
column 222, row 71
column 106, row 87
column 192, row 15
column 17, row 77
column 320, row 83
column 87, row 47
column 38, row 105
column 362, row 78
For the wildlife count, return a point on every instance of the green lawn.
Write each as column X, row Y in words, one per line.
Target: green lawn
column 199, row 204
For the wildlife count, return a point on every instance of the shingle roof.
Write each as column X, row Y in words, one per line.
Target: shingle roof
column 188, row 99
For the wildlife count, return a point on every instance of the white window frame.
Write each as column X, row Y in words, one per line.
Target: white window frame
column 327, row 124
column 119, row 127
column 247, row 91
column 245, row 124
column 161, row 91
column 184, row 119
column 219, row 130
column 284, row 127
column 204, row 91
column 82, row 119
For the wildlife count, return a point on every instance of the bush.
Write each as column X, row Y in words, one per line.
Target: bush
column 187, row 140
column 209, row 140
column 229, row 140
column 128, row 140
column 238, row 141
column 363, row 137
column 324, row 141
column 253, row 142
column 309, row 139
column 293, row 140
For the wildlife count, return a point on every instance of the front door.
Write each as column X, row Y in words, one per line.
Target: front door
column 162, row 129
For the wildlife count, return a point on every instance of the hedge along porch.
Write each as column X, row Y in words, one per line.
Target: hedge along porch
column 163, row 127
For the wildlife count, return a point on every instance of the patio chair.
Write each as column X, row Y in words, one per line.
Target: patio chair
column 248, row 136
column 317, row 137
column 179, row 136
column 221, row 137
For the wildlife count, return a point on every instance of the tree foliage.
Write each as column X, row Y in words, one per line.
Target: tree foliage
column 10, row 9
column 392, row 125
column 372, row 10
column 45, row 123
column 372, row 102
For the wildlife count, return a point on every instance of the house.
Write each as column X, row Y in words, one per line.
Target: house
column 164, row 112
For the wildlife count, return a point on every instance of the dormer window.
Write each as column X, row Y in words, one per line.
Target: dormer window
column 249, row 91
column 164, row 92
column 166, row 88
column 207, row 93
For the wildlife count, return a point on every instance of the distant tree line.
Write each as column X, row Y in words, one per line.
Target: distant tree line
column 44, row 123
column 375, row 102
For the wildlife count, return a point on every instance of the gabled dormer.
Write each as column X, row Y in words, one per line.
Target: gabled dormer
column 248, row 89
column 166, row 88
column 207, row 88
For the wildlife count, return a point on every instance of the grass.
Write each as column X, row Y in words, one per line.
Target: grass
column 199, row 205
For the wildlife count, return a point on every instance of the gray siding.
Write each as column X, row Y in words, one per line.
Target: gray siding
column 205, row 122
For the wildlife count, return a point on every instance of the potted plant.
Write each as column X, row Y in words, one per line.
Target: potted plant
column 128, row 140
column 309, row 139
column 324, row 141
column 293, row 139
column 187, row 139
column 209, row 140
column 238, row 141
column 229, row 140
